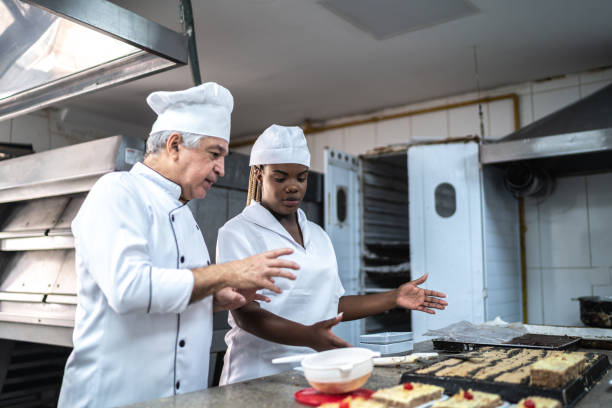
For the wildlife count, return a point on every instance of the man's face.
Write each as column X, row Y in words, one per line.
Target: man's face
column 199, row 168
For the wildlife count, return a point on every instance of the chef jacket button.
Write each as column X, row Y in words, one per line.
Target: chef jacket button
column 172, row 217
column 182, row 259
column 178, row 385
column 182, row 343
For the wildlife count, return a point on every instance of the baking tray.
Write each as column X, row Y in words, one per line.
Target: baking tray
column 568, row 395
column 530, row 340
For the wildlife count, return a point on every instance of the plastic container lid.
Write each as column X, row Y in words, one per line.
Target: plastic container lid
column 385, row 337
column 402, row 347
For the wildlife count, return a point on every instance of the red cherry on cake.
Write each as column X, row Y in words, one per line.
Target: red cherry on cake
column 529, row 404
column 408, row 386
column 468, row 395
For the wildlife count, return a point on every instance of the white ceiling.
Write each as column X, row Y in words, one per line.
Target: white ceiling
column 288, row 60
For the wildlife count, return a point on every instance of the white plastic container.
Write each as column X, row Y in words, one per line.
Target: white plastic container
column 339, row 370
column 388, row 343
column 391, row 348
column 385, row 337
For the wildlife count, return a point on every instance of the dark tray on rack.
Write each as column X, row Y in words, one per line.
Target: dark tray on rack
column 539, row 341
column 571, row 393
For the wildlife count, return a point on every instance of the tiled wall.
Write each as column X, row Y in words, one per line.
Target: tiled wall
column 53, row 128
column 536, row 99
column 569, row 248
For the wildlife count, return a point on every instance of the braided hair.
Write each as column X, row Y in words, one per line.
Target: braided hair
column 254, row 191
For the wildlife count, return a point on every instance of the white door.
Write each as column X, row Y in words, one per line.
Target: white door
column 342, row 223
column 446, row 230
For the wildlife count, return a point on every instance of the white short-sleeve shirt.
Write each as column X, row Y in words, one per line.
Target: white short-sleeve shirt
column 312, row 297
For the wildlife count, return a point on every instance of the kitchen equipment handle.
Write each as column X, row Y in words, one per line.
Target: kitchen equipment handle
column 410, row 358
column 291, row 359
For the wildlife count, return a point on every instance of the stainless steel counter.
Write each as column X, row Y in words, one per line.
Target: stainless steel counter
column 278, row 390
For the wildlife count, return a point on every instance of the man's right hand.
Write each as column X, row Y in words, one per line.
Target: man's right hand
column 258, row 271
column 255, row 272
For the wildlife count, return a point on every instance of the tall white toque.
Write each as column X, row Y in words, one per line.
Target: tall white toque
column 280, row 145
column 204, row 110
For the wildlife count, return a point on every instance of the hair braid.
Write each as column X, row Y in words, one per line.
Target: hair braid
column 254, row 190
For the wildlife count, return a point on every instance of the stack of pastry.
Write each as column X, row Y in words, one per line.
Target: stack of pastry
column 557, row 370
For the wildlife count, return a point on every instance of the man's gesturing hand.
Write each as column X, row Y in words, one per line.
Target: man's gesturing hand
column 258, row 271
column 255, row 272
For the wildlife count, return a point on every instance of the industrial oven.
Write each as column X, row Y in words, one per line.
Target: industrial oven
column 403, row 211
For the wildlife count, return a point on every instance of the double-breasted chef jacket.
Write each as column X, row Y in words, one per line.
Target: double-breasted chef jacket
column 136, row 338
column 313, row 296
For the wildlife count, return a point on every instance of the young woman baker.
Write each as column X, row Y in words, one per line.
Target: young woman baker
column 304, row 313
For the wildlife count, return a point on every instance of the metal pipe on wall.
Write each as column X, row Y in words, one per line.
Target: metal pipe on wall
column 309, row 129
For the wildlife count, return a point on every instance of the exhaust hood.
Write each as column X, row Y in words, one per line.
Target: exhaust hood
column 56, row 49
column 574, row 139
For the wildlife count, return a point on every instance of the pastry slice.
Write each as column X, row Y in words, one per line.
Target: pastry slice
column 470, row 399
column 353, row 402
column 538, row 402
column 408, row 395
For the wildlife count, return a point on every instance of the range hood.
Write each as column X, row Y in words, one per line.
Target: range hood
column 574, row 139
column 56, row 49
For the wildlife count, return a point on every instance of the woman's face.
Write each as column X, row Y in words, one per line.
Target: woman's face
column 283, row 187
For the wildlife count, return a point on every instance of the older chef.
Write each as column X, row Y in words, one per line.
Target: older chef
column 144, row 317
column 304, row 313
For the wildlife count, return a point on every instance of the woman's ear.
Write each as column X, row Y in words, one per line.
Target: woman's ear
column 259, row 173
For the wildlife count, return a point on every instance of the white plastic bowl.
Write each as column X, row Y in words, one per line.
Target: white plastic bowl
column 339, row 370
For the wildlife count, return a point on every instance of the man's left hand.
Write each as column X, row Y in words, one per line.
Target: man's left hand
column 230, row 298
column 410, row 296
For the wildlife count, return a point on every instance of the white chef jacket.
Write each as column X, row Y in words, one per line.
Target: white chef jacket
column 312, row 297
column 135, row 336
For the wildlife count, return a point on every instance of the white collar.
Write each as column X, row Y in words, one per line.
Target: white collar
column 167, row 185
column 259, row 215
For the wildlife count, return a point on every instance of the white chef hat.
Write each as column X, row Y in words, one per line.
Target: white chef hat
column 204, row 110
column 279, row 145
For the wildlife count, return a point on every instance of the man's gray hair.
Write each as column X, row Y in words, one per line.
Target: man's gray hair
column 158, row 140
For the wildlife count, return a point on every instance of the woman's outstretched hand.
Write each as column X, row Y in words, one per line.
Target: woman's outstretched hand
column 410, row 296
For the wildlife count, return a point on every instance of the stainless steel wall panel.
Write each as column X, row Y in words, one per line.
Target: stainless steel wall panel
column 211, row 214
column 37, row 243
column 32, row 271
column 237, row 202
column 50, row 173
column 37, row 313
column 70, row 211
column 236, row 172
column 36, row 215
column 66, row 281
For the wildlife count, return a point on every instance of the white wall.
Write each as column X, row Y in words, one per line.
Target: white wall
column 52, row 128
